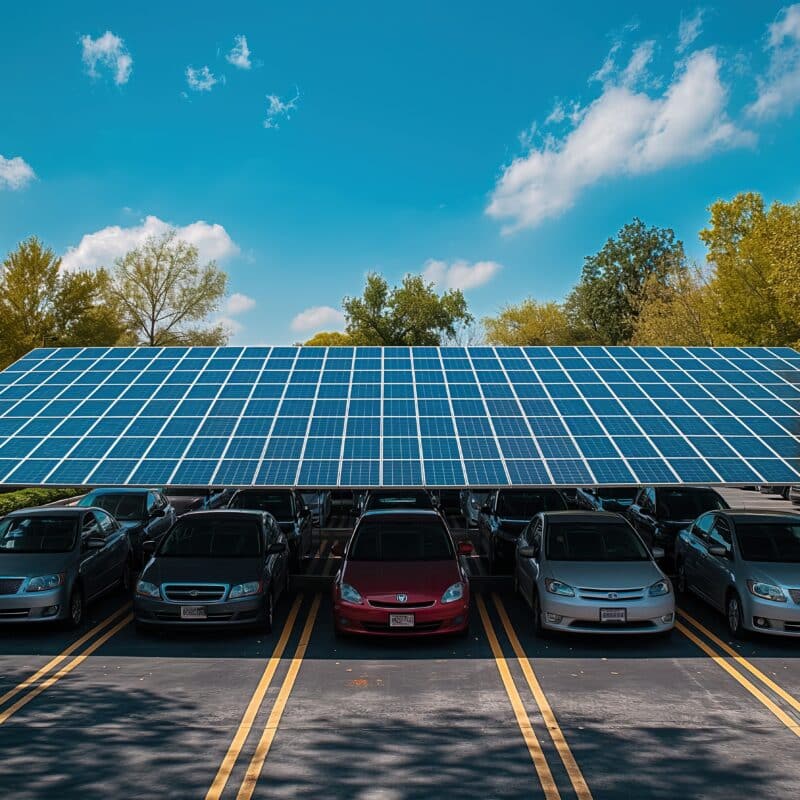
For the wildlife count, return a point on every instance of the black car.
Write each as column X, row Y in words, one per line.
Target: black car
column 505, row 514
column 197, row 498
column 659, row 513
column 289, row 510
column 145, row 514
column 605, row 498
column 214, row 569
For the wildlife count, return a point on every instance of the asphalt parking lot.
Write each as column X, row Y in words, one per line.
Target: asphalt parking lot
column 299, row 713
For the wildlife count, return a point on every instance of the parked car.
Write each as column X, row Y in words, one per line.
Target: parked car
column 401, row 575
column 292, row 514
column 794, row 493
column 659, row 513
column 781, row 490
column 448, row 501
column 342, row 501
column 504, row 515
column 386, row 499
column 745, row 564
column 320, row 505
column 471, row 502
column 590, row 572
column 217, row 568
column 605, row 498
column 196, row 498
column 144, row 514
column 58, row 560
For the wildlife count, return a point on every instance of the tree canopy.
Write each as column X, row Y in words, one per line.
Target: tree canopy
column 329, row 339
column 531, row 323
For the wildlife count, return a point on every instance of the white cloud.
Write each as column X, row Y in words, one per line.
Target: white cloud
column 625, row 131
column 318, row 318
column 779, row 88
column 233, row 326
column 278, row 110
column 15, row 173
column 239, row 56
column 689, row 29
column 108, row 51
column 104, row 246
column 459, row 274
column 200, row 80
column 239, row 303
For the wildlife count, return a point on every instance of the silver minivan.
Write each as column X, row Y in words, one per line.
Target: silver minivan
column 590, row 572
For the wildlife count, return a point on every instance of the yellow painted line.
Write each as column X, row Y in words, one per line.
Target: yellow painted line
column 226, row 767
column 743, row 662
column 570, row 765
column 54, row 662
column 268, row 736
column 65, row 670
column 534, row 747
column 722, row 662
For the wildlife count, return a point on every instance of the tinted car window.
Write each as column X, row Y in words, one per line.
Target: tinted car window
column 213, row 538
column 524, row 505
column 401, row 540
column 682, row 504
column 37, row 534
column 107, row 524
column 279, row 504
column 126, row 507
column 769, row 541
column 592, row 542
column 378, row 500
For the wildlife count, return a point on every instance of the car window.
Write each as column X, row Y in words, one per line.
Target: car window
column 770, row 541
column 387, row 539
column 279, row 504
column 37, row 534
column 106, row 522
column 650, row 499
column 526, row 504
column 721, row 534
column 576, row 541
column 688, row 503
column 702, row 527
column 536, row 536
column 90, row 526
column 210, row 537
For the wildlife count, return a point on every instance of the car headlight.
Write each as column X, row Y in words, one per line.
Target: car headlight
column 659, row 588
column 147, row 589
column 557, row 587
column 767, row 591
column 349, row 594
column 44, row 582
column 453, row 593
column 244, row 589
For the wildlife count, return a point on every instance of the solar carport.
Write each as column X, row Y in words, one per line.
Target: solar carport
column 401, row 417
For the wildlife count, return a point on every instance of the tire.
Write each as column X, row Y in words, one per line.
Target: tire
column 733, row 616
column 75, row 609
column 269, row 610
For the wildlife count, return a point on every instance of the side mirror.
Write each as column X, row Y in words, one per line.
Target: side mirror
column 159, row 512
column 528, row 552
column 658, row 552
column 276, row 548
column 465, row 548
column 95, row 542
column 718, row 551
column 148, row 547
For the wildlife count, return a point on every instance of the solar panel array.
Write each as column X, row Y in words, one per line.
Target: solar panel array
column 422, row 416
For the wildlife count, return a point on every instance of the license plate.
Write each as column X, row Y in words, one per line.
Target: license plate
column 193, row 612
column 613, row 615
column 401, row 620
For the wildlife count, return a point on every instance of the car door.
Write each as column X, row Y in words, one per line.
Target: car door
column 303, row 518
column 93, row 565
column 114, row 554
column 718, row 568
column 528, row 568
column 167, row 520
column 696, row 542
column 645, row 515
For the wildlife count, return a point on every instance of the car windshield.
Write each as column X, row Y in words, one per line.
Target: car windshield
column 571, row 541
column 683, row 504
column 770, row 541
column 524, row 505
column 401, row 540
column 212, row 538
column 379, row 500
column 124, row 507
column 279, row 504
column 38, row 534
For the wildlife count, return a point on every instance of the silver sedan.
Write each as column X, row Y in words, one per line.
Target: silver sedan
column 590, row 572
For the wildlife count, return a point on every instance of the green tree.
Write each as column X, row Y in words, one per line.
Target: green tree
column 329, row 339
column 609, row 296
column 532, row 323
column 409, row 314
column 755, row 255
column 165, row 296
column 42, row 306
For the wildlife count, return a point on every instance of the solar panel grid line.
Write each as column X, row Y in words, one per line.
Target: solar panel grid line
column 416, row 415
column 741, row 419
column 790, row 409
column 25, row 373
column 242, row 414
column 490, row 421
column 633, row 353
column 382, row 423
column 346, row 432
column 310, row 419
column 169, row 417
column 452, row 414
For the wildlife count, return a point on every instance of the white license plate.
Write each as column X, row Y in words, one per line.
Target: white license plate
column 613, row 615
column 193, row 612
column 401, row 620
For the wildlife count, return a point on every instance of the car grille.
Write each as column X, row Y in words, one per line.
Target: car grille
column 194, row 592
column 14, row 613
column 612, row 626
column 791, row 627
column 174, row 616
column 381, row 604
column 622, row 595
column 423, row 627
column 10, row 585
column 795, row 595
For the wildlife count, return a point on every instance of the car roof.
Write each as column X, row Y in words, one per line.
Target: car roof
column 121, row 490
column 49, row 511
column 596, row 517
column 227, row 512
column 758, row 514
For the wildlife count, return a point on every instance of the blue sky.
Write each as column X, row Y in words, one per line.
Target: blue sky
column 493, row 145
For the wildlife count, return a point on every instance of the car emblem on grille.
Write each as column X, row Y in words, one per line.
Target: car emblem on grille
column 612, row 595
column 402, row 598
column 193, row 593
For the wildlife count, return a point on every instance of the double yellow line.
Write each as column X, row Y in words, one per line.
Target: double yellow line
column 532, row 742
column 45, row 677
column 725, row 657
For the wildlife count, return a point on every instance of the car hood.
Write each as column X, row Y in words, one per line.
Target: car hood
column 418, row 579
column 605, row 574
column 768, row 572
column 29, row 565
column 202, row 570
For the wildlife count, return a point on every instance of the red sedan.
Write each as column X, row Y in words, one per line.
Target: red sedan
column 401, row 576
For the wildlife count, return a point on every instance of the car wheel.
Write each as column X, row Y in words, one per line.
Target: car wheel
column 269, row 609
column 75, row 609
column 733, row 615
column 681, row 587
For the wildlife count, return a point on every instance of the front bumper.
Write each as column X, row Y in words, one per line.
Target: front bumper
column 226, row 614
column 435, row 620
column 579, row 615
column 778, row 619
column 34, row 606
